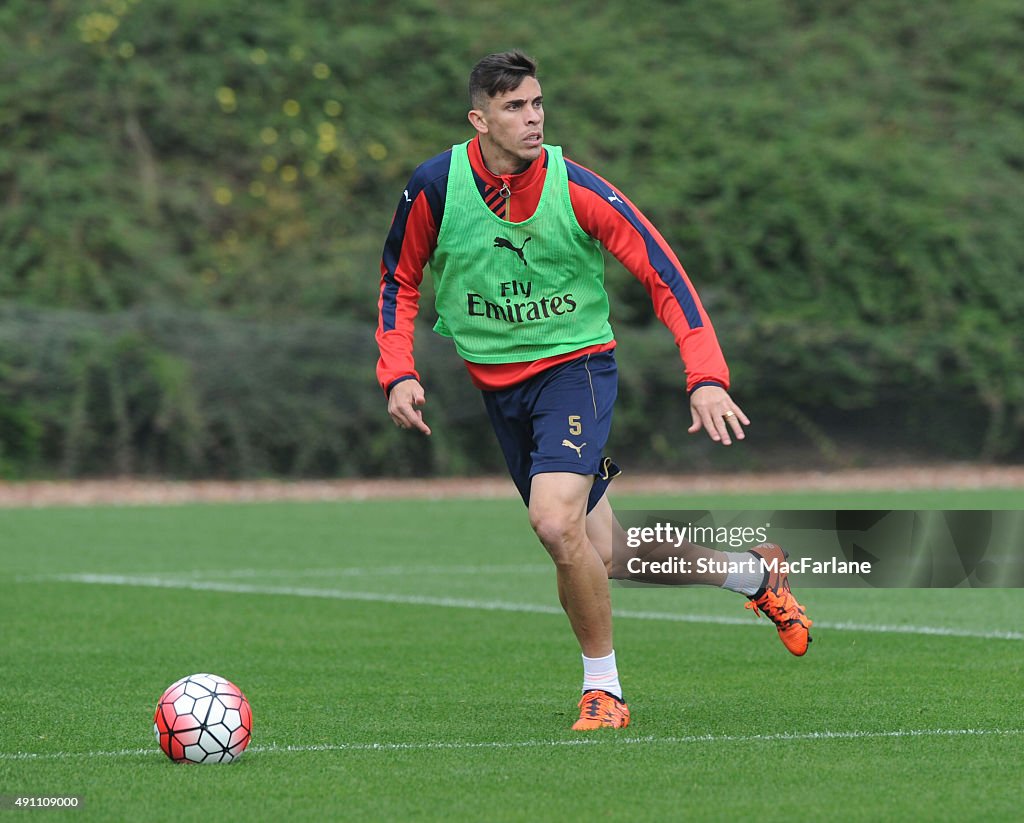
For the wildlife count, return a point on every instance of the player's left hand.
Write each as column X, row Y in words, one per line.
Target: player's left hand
column 714, row 411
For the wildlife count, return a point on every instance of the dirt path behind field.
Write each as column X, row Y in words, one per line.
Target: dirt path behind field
column 157, row 492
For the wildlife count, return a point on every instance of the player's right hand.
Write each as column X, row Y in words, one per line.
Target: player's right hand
column 402, row 403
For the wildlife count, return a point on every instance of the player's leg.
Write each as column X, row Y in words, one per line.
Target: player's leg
column 702, row 567
column 558, row 515
column 755, row 573
column 571, row 417
column 609, row 538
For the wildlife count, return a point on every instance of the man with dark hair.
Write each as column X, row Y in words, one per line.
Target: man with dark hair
column 498, row 73
column 512, row 232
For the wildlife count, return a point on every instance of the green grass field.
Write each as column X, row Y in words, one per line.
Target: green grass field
column 407, row 660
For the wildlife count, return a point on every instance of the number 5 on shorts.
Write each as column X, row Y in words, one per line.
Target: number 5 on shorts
column 575, row 427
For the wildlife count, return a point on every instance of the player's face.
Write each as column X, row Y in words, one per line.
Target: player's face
column 511, row 127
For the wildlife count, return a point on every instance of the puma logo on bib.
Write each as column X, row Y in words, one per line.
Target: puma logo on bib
column 502, row 243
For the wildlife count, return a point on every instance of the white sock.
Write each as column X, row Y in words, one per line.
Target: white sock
column 601, row 673
column 749, row 575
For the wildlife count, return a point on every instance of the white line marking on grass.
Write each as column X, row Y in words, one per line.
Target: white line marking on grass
column 412, row 570
column 71, row 755
column 650, row 739
column 602, row 739
column 502, row 606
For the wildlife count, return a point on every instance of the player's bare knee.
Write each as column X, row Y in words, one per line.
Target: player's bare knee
column 555, row 533
column 561, row 536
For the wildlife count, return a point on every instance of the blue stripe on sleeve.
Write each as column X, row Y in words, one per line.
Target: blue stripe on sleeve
column 666, row 269
column 431, row 180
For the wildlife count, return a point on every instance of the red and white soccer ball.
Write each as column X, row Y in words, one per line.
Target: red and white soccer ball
column 203, row 718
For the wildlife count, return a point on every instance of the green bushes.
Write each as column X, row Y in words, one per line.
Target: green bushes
column 163, row 391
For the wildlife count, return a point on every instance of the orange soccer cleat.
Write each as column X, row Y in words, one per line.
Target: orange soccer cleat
column 601, row 710
column 775, row 599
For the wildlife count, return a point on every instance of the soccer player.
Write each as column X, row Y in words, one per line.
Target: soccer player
column 512, row 231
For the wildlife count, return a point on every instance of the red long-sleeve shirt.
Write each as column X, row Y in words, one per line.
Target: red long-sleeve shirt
column 601, row 210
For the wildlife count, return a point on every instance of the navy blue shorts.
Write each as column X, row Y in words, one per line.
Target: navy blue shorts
column 558, row 421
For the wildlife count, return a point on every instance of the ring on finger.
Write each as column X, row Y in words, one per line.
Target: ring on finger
column 729, row 414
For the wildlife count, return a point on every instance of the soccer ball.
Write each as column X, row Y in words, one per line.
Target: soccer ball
column 203, row 718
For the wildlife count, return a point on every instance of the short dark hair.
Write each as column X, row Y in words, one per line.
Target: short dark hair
column 497, row 74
